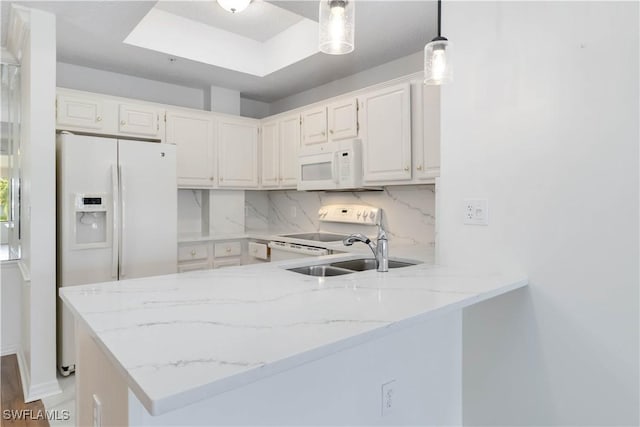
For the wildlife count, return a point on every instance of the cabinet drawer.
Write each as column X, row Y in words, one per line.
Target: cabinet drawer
column 193, row 252
column 226, row 263
column 258, row 250
column 194, row 266
column 227, row 249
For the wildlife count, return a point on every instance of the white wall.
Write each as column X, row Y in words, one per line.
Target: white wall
column 388, row 71
column 116, row 84
column 255, row 109
column 37, row 56
column 10, row 317
column 542, row 119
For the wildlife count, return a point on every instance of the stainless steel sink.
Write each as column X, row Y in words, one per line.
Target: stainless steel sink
column 368, row 264
column 345, row 267
column 321, row 270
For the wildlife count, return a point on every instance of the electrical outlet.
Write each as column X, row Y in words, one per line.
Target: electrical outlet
column 388, row 398
column 97, row 412
column 476, row 211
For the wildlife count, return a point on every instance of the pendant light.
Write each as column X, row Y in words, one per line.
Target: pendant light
column 437, row 58
column 337, row 25
column 234, row 6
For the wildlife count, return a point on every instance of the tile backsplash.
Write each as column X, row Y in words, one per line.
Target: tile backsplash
column 408, row 211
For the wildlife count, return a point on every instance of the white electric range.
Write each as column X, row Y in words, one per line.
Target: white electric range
column 360, row 217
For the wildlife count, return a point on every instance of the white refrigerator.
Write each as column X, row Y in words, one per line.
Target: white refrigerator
column 117, row 217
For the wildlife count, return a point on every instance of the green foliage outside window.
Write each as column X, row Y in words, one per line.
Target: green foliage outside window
column 4, row 202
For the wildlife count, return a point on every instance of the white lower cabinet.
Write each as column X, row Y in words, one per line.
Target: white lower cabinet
column 194, row 256
column 386, row 118
column 227, row 254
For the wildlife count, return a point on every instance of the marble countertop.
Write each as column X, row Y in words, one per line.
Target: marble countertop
column 181, row 338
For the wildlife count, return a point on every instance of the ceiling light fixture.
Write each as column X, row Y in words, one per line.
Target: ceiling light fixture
column 234, row 6
column 437, row 58
column 337, row 25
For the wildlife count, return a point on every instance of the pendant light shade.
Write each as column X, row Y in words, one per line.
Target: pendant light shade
column 438, row 67
column 234, row 6
column 337, row 25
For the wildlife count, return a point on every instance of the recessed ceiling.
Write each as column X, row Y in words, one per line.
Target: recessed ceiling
column 235, row 41
column 260, row 21
column 91, row 34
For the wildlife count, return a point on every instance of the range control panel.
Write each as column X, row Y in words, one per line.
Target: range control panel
column 352, row 214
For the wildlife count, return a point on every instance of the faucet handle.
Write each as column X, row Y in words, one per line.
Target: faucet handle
column 358, row 237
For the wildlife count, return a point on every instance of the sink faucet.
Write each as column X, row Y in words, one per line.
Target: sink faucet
column 380, row 249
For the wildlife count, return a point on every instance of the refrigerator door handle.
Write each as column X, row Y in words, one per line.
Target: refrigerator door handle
column 123, row 190
column 114, row 221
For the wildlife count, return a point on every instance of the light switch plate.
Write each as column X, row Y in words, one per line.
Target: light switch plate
column 476, row 211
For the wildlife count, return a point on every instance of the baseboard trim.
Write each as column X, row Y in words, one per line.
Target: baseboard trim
column 33, row 392
column 9, row 349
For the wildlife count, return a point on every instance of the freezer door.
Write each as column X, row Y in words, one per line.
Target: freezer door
column 86, row 166
column 148, row 209
column 87, row 244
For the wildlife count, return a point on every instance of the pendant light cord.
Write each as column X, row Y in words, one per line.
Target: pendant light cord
column 439, row 15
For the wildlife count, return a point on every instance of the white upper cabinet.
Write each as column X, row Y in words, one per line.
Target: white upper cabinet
column 386, row 120
column 426, row 147
column 194, row 136
column 314, row 126
column 289, row 146
column 343, row 119
column 237, row 153
column 280, row 143
column 78, row 111
column 142, row 120
column 270, row 154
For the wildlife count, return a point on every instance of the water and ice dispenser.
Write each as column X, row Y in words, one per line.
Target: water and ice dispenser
column 91, row 221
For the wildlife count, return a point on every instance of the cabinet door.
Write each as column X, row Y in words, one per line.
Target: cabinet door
column 141, row 120
column 343, row 119
column 79, row 111
column 270, row 154
column 386, row 129
column 194, row 137
column 237, row 153
column 427, row 149
column 289, row 145
column 314, row 126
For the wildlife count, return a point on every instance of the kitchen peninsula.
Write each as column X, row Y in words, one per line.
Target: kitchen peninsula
column 259, row 344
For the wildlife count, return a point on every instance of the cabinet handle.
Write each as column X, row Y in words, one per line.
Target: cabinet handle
column 228, row 250
column 98, row 119
column 210, row 178
column 221, row 179
column 331, row 131
column 122, row 122
column 193, row 252
column 406, row 168
column 419, row 167
column 323, row 133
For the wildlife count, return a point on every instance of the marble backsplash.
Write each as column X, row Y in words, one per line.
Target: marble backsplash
column 408, row 211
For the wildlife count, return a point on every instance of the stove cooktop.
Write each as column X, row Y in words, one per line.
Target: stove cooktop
column 317, row 237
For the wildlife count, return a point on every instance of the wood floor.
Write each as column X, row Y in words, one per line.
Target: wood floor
column 12, row 398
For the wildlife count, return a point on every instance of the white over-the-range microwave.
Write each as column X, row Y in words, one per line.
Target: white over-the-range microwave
column 334, row 166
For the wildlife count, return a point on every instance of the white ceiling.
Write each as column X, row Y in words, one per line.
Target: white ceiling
column 91, row 33
column 260, row 21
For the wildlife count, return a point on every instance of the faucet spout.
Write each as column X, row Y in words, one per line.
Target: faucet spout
column 380, row 249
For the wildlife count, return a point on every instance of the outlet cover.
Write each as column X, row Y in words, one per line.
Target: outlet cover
column 388, row 398
column 476, row 211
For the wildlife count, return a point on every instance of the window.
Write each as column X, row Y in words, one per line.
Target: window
column 9, row 161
